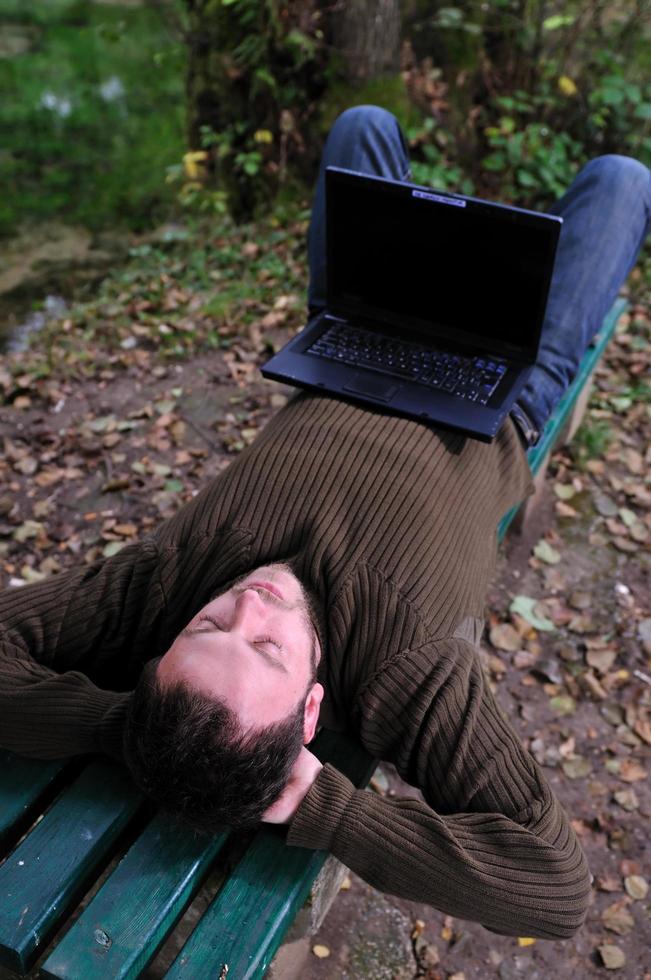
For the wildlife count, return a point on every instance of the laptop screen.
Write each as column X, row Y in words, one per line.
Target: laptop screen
column 450, row 266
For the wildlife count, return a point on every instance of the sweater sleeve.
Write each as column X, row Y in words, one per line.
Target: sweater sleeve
column 489, row 842
column 70, row 649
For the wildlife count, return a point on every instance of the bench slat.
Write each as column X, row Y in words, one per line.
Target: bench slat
column 22, row 783
column 51, row 867
column 133, row 912
column 243, row 928
column 246, row 923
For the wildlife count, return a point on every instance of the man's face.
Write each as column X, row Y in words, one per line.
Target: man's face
column 255, row 647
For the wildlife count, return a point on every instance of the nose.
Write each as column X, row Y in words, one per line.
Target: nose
column 249, row 608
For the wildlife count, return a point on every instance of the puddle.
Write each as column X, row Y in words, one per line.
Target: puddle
column 18, row 338
column 40, row 267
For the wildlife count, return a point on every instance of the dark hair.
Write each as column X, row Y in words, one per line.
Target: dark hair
column 189, row 753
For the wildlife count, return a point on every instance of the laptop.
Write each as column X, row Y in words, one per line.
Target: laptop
column 435, row 303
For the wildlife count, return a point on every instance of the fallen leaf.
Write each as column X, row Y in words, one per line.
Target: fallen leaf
column 627, row 799
column 112, row 548
column 549, row 669
column 580, row 624
column 544, row 551
column 525, row 941
column 564, row 491
column 27, row 465
column 636, row 886
column 580, row 600
column 608, row 883
column 596, row 689
column 601, row 660
column 638, row 532
column 505, row 637
column 105, row 423
column 631, row 771
column 563, row 704
column 613, row 713
column 173, row 486
column 564, row 510
column 604, row 504
column 27, row 530
column 126, row 530
column 624, row 544
column 321, row 951
column 643, row 729
column 617, row 918
column 628, row 517
column 644, row 633
column 525, row 606
column 633, row 461
column 612, row 957
column 427, row 954
column 576, row 768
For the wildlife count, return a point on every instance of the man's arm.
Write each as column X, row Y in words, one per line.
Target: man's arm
column 490, row 843
column 66, row 645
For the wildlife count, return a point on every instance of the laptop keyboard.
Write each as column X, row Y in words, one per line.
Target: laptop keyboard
column 472, row 378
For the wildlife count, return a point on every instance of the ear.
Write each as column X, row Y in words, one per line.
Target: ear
column 311, row 716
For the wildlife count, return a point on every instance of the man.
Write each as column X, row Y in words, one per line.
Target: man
column 336, row 573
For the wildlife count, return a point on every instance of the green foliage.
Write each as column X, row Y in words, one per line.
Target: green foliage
column 433, row 151
column 252, row 82
column 533, row 162
column 591, row 441
column 91, row 114
column 529, row 92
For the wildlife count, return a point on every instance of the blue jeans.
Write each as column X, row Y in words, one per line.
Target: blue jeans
column 606, row 216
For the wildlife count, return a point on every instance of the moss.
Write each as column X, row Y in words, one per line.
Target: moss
column 388, row 91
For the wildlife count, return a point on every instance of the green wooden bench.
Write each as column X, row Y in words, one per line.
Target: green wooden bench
column 63, row 824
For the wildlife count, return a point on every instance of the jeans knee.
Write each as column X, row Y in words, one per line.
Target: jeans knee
column 621, row 175
column 365, row 118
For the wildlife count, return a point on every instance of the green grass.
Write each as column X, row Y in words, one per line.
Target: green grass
column 91, row 115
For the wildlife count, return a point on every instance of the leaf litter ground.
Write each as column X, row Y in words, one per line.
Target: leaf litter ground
column 118, row 414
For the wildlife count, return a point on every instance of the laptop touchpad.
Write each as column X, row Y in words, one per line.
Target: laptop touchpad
column 381, row 389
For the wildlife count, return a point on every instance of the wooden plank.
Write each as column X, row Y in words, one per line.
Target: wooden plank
column 538, row 453
column 245, row 924
column 23, row 782
column 52, row 866
column 119, row 932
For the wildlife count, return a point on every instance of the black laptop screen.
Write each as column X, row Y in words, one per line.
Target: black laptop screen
column 470, row 270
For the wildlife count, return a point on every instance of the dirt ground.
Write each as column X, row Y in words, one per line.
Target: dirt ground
column 92, row 461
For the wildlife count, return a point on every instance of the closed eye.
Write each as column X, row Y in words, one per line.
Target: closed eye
column 267, row 639
column 209, row 619
column 260, row 641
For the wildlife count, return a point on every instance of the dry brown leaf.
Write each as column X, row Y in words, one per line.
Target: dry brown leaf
column 27, row 465
column 627, row 799
column 612, row 957
column 601, row 660
column 642, row 727
column 505, row 637
column 636, row 886
column 617, row 918
column 631, row 771
column 608, row 883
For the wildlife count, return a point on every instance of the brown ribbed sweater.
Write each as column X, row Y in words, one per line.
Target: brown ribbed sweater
column 393, row 526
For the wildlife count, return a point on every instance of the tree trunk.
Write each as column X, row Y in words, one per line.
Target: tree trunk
column 367, row 35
